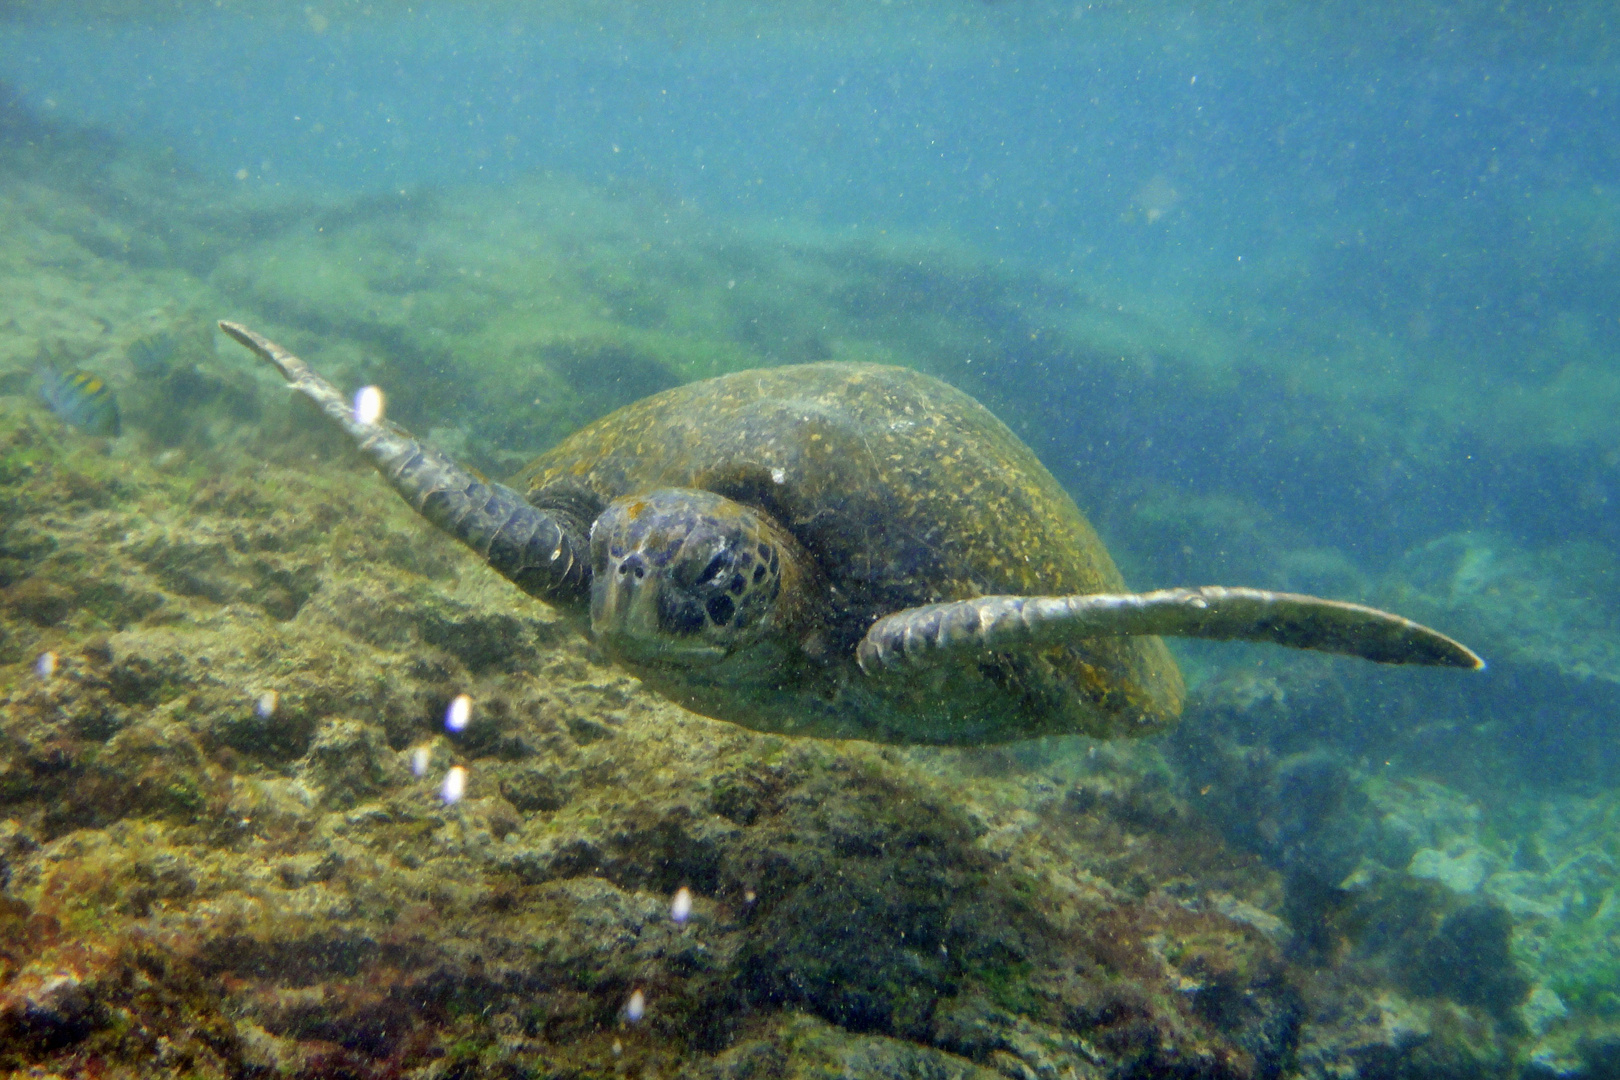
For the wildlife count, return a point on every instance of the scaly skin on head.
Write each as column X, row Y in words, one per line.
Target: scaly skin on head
column 682, row 576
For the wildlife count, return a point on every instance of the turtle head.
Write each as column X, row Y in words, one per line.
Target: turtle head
column 684, row 577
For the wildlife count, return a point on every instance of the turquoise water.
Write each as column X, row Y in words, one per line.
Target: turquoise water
column 1439, row 185
column 1322, row 298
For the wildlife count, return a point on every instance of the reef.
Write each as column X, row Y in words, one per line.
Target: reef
column 218, row 856
column 226, row 654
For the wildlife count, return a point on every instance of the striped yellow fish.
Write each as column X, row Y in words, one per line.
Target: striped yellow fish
column 82, row 399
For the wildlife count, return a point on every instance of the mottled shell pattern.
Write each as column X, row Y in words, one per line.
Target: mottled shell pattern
column 905, row 491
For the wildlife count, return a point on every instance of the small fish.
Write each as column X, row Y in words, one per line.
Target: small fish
column 82, row 399
column 150, row 355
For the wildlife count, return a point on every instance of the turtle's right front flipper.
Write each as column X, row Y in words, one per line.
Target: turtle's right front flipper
column 991, row 623
column 543, row 551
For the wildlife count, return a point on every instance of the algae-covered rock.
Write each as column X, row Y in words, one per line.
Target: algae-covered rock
column 803, row 1048
column 245, row 807
column 1492, row 901
column 225, row 843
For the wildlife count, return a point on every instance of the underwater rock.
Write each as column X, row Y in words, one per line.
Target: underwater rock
column 38, row 600
column 1469, row 960
column 1382, row 1034
column 534, row 790
column 237, row 891
column 1460, row 871
column 1601, row 1057
column 1545, row 858
column 1542, row 1009
column 48, row 1010
column 269, row 727
column 1386, row 879
column 342, row 915
column 349, row 761
column 804, row 1048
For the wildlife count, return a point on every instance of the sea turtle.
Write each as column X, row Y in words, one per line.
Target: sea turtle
column 844, row 550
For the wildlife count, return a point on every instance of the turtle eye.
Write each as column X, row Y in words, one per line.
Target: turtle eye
column 712, row 571
column 720, row 609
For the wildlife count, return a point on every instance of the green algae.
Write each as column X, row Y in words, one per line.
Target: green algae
column 1083, row 910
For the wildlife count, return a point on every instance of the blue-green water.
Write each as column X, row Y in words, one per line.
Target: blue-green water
column 1322, row 297
column 1438, row 185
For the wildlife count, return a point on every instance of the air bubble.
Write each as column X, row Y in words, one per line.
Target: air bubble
column 457, row 716
column 368, row 405
column 455, row 785
column 680, row 908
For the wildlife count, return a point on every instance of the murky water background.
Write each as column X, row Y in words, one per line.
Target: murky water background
column 1324, row 299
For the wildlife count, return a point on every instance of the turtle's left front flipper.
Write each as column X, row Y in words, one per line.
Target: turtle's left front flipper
column 542, row 550
column 1001, row 623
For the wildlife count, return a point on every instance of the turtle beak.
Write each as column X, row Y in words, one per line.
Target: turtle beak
column 627, row 621
column 623, row 600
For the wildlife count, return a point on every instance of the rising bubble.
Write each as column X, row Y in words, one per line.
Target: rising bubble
column 680, row 908
column 459, row 713
column 368, row 405
column 455, row 785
